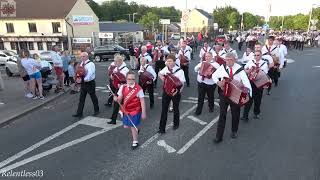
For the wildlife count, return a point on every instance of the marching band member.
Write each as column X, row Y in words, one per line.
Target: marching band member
column 158, row 57
column 88, row 85
column 219, row 51
column 283, row 52
column 272, row 50
column 236, row 72
column 184, row 56
column 228, row 49
column 145, row 54
column 170, row 70
column 133, row 106
column 146, row 80
column 118, row 77
column 204, row 50
column 257, row 92
column 247, row 56
column 110, row 71
column 206, row 84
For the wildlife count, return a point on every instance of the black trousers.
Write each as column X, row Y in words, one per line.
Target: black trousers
column 240, row 45
column 186, row 73
column 235, row 112
column 66, row 78
column 150, row 90
column 165, row 106
column 204, row 89
column 159, row 65
column 110, row 98
column 88, row 88
column 274, row 75
column 256, row 98
column 116, row 108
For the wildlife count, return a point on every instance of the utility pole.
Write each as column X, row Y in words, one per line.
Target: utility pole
column 133, row 16
column 310, row 16
column 282, row 23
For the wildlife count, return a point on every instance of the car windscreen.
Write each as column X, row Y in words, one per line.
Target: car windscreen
column 119, row 48
column 9, row 53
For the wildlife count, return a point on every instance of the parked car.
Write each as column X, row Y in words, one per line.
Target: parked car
column 47, row 55
column 108, row 51
column 12, row 67
column 220, row 39
column 175, row 36
column 6, row 56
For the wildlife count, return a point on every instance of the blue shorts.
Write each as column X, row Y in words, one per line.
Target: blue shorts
column 136, row 120
column 36, row 75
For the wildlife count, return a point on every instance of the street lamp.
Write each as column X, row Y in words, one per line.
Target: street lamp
column 133, row 16
column 310, row 16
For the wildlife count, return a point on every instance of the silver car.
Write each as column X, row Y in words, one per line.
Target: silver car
column 7, row 55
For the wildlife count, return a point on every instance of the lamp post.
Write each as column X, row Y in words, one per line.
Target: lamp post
column 133, row 16
column 310, row 15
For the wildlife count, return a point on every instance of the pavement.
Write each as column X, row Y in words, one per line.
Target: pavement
column 283, row 144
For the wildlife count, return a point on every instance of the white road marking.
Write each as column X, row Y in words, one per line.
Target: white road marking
column 35, row 146
column 97, row 122
column 195, row 138
column 217, row 104
column 197, row 120
column 99, row 87
column 315, row 66
column 1, row 103
column 193, row 98
column 290, row 61
column 156, row 136
column 59, row 148
column 168, row 148
column 159, row 97
column 49, row 107
column 105, row 91
column 190, row 101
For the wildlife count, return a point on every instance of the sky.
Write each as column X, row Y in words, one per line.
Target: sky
column 257, row 7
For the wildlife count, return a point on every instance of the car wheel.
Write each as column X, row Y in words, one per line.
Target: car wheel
column 8, row 72
column 98, row 58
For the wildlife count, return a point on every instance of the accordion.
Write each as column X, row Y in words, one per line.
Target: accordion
column 171, row 84
column 110, row 70
column 236, row 92
column 220, row 60
column 183, row 60
column 259, row 78
column 157, row 55
column 118, row 79
column 145, row 79
column 206, row 70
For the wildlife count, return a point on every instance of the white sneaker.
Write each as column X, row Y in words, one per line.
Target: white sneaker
column 35, row 97
column 29, row 95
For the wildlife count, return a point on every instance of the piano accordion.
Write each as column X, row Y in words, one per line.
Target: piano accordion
column 236, row 91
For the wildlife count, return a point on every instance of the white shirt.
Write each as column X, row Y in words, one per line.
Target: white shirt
column 241, row 76
column 232, row 51
column 274, row 51
column 246, row 58
column 283, row 51
column 205, row 50
column 267, row 58
column 206, row 80
column 186, row 53
column 263, row 65
column 147, row 57
column 123, row 69
column 56, row 59
column 179, row 74
column 149, row 69
column 139, row 95
column 165, row 50
column 90, row 70
column 30, row 65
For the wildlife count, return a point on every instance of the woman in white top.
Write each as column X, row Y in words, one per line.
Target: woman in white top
column 32, row 67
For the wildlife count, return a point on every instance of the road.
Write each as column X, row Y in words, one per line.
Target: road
column 283, row 144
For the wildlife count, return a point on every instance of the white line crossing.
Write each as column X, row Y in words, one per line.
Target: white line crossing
column 197, row 120
column 168, row 148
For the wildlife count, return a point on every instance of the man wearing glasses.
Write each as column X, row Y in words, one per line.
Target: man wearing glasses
column 88, row 85
column 233, row 71
column 256, row 92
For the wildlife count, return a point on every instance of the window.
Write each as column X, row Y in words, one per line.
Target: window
column 49, row 46
column 55, row 27
column 59, row 45
column 40, row 45
column 14, row 46
column 31, row 45
column 1, row 46
column 32, row 27
column 23, row 45
column 10, row 28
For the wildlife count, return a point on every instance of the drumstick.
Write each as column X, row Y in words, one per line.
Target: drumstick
column 108, row 86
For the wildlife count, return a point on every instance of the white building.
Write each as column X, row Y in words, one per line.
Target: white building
column 40, row 24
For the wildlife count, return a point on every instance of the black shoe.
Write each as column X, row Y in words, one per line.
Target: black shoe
column 175, row 127
column 112, row 122
column 234, row 135
column 96, row 113
column 151, row 106
column 256, row 116
column 197, row 114
column 73, row 92
column 268, row 93
column 188, row 85
column 217, row 140
column 77, row 115
column 161, row 131
column 134, row 146
column 108, row 104
column 246, row 119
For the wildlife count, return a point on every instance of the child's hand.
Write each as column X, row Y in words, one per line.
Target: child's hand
column 144, row 115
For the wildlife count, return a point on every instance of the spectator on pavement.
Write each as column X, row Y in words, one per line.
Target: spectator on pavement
column 33, row 69
column 132, row 56
column 25, row 77
column 58, row 67
column 71, row 71
column 66, row 58
column 1, row 83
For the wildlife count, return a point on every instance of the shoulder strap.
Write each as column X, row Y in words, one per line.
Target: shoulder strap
column 238, row 71
column 123, row 68
column 225, row 68
column 262, row 64
column 176, row 70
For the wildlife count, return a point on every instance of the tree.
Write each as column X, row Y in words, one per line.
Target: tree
column 250, row 21
column 149, row 20
column 316, row 15
column 95, row 7
column 275, row 22
column 219, row 15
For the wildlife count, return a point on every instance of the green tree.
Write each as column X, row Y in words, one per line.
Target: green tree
column 275, row 22
column 316, row 15
column 234, row 20
column 220, row 14
column 301, row 22
column 95, row 7
column 149, row 20
column 249, row 20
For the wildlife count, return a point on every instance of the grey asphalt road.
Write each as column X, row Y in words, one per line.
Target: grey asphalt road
column 282, row 145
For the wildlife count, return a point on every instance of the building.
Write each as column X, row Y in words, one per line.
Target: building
column 40, row 24
column 119, row 32
column 196, row 20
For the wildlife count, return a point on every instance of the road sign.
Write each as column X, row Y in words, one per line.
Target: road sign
column 215, row 26
column 164, row 21
column 314, row 21
column 106, row 35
